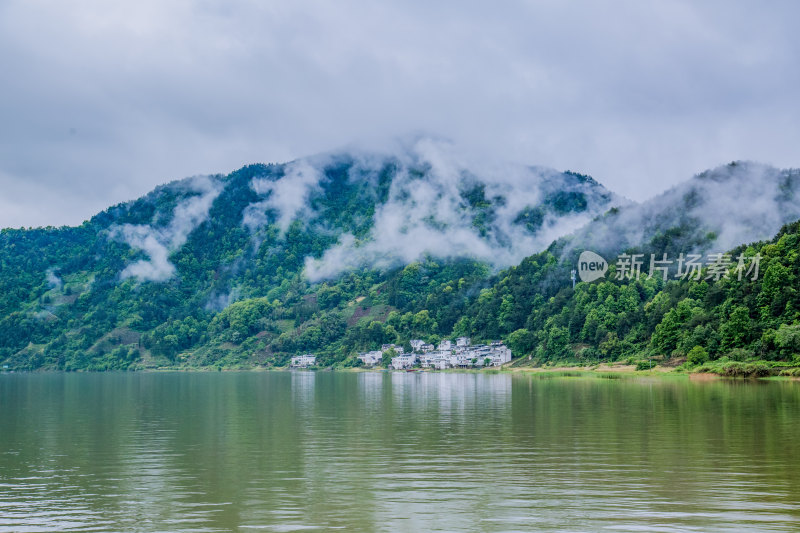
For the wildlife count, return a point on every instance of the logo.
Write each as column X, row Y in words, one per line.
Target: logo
column 591, row 266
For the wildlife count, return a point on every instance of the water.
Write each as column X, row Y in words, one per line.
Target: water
column 292, row 451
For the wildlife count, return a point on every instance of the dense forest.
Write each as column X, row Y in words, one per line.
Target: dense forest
column 271, row 261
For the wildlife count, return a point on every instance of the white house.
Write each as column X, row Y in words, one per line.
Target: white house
column 480, row 355
column 445, row 346
column 404, row 361
column 426, row 360
column 462, row 342
column 498, row 355
column 441, row 363
column 421, row 346
column 462, row 360
column 371, row 358
column 502, row 353
column 438, row 359
column 303, row 361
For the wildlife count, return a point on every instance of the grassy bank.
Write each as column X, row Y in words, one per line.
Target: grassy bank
column 708, row 370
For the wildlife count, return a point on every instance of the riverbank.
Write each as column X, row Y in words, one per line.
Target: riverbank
column 709, row 371
column 764, row 370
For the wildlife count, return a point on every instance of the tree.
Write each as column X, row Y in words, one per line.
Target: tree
column 386, row 359
column 506, row 315
column 671, row 330
column 736, row 332
column 521, row 342
column 423, row 324
column 787, row 339
column 776, row 289
column 697, row 355
column 558, row 343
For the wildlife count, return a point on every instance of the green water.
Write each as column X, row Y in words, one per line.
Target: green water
column 290, row 451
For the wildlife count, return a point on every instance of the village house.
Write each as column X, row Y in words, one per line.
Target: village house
column 459, row 354
column 395, row 347
column 303, row 361
column 501, row 354
column 465, row 355
column 441, row 364
column 404, row 361
column 371, row 358
column 426, row 360
column 420, row 346
column 437, row 359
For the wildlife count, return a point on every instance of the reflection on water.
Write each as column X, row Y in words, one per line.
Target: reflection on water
column 291, row 451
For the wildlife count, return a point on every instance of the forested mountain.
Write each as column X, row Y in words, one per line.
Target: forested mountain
column 289, row 245
column 715, row 211
column 342, row 252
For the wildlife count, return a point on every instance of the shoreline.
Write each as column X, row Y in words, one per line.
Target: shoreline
column 603, row 370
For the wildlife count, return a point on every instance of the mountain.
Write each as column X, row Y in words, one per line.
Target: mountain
column 715, row 211
column 156, row 278
column 722, row 321
column 343, row 252
column 731, row 322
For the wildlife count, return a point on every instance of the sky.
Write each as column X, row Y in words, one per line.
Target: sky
column 102, row 101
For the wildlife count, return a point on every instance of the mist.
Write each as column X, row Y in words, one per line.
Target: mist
column 159, row 242
column 53, row 281
column 288, row 195
column 717, row 210
column 426, row 212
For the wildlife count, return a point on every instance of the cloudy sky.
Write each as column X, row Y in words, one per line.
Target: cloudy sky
column 102, row 100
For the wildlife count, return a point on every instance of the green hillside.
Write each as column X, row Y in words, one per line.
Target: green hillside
column 276, row 260
column 213, row 271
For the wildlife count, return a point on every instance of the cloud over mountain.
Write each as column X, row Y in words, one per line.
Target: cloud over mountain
column 429, row 199
column 716, row 210
column 158, row 242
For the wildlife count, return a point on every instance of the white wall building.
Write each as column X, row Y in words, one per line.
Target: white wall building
column 371, row 358
column 404, row 361
column 497, row 354
column 387, row 347
column 445, row 346
column 303, row 361
column 502, row 354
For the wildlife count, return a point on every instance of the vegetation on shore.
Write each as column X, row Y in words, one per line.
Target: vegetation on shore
column 240, row 299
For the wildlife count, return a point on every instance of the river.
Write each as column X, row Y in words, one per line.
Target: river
column 292, row 451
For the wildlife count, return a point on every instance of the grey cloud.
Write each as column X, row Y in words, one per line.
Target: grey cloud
column 102, row 101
